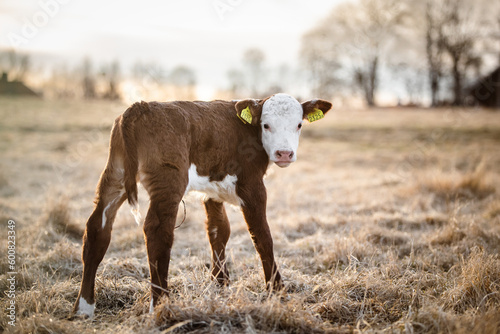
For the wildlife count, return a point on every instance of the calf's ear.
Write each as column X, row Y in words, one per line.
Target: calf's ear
column 249, row 111
column 315, row 109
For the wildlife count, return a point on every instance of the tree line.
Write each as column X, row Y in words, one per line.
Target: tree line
column 441, row 44
column 424, row 52
column 88, row 80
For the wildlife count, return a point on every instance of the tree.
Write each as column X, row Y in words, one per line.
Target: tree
column 111, row 74
column 14, row 64
column 459, row 33
column 183, row 79
column 412, row 79
column 253, row 61
column 434, row 49
column 356, row 36
column 148, row 82
column 321, row 62
column 281, row 79
column 236, row 82
column 457, row 38
column 61, row 84
column 88, row 80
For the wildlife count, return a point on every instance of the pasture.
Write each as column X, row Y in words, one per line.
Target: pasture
column 389, row 221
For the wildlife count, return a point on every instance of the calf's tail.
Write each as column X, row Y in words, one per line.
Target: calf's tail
column 131, row 161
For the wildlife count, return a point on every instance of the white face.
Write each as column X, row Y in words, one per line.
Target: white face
column 281, row 122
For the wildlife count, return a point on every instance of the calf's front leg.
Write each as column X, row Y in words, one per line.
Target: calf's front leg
column 254, row 211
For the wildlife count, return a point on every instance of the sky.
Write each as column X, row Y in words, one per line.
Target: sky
column 209, row 36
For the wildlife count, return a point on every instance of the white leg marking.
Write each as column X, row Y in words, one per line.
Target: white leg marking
column 85, row 308
column 113, row 202
column 151, row 307
column 213, row 232
column 104, row 215
column 137, row 214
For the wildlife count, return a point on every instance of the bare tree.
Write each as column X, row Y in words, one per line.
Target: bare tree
column 356, row 37
column 236, row 83
column 253, row 61
column 322, row 63
column 111, row 74
column 412, row 78
column 434, row 49
column 15, row 65
column 61, row 84
column 456, row 40
column 281, row 78
column 183, row 79
column 148, row 81
column 88, row 80
column 457, row 35
column 147, row 74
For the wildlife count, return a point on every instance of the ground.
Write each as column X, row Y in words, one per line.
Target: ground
column 388, row 222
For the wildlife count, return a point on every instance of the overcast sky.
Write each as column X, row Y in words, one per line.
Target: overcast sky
column 209, row 36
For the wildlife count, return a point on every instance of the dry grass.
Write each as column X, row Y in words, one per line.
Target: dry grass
column 388, row 222
column 59, row 218
column 459, row 187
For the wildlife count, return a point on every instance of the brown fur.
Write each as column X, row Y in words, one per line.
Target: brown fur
column 156, row 143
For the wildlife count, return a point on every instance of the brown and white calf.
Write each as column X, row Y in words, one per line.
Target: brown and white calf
column 220, row 148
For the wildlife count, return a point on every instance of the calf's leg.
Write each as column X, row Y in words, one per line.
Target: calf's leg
column 110, row 196
column 254, row 211
column 218, row 233
column 165, row 188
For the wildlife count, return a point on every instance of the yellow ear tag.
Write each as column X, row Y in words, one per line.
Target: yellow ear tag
column 315, row 115
column 246, row 116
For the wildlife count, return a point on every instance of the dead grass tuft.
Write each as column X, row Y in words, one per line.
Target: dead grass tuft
column 6, row 189
column 437, row 320
column 120, row 293
column 63, row 259
column 465, row 235
column 478, row 284
column 487, row 322
column 432, row 320
column 45, row 324
column 493, row 210
column 387, row 238
column 473, row 185
column 210, row 313
column 59, row 217
column 448, row 234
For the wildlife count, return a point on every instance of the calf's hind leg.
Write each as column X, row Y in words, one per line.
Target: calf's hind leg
column 165, row 189
column 110, row 196
column 218, row 233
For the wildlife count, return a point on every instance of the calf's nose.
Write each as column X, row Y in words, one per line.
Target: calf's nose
column 285, row 155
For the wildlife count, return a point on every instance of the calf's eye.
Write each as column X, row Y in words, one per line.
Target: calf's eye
column 266, row 126
column 299, row 126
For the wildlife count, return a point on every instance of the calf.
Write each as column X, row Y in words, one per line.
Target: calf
column 220, row 148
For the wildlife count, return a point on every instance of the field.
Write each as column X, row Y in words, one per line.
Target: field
column 388, row 222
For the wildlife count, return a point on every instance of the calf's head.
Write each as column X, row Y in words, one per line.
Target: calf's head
column 281, row 117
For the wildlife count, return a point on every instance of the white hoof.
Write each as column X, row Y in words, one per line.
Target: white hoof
column 85, row 308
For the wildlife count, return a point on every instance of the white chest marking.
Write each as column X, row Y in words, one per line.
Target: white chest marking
column 222, row 191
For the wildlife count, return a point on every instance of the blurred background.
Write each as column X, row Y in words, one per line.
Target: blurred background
column 356, row 53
